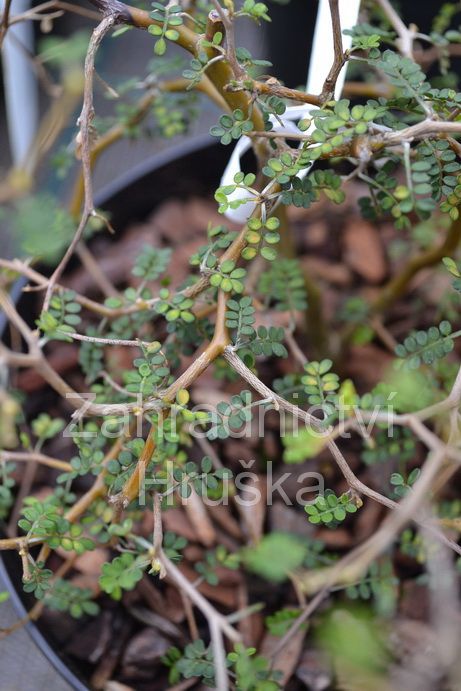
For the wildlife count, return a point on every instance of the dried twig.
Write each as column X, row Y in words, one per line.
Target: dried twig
column 32, row 456
column 406, row 36
column 84, row 122
column 435, row 445
column 352, row 566
column 340, row 57
column 228, row 24
column 5, row 21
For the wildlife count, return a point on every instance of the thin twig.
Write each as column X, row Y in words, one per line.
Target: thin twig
column 85, row 123
column 405, row 35
column 107, row 341
column 5, row 21
column 352, row 566
column 239, row 72
column 26, row 456
column 340, row 57
column 274, row 88
column 435, row 445
column 199, row 601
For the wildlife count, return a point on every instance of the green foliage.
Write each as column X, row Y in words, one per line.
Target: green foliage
column 173, row 545
column 38, row 580
column 454, row 269
column 255, row 10
column 6, row 486
column 232, row 416
column 56, row 225
column 278, row 623
column 173, row 113
column 355, row 642
column 284, row 168
column 412, row 544
column 273, row 105
column 378, row 584
column 195, row 661
column 404, row 74
column 284, row 284
column 174, row 306
column 120, row 468
column 253, row 672
column 330, row 509
column 232, row 126
column 401, row 485
column 405, row 389
column 426, row 346
column 152, row 371
column 220, row 557
column 240, row 318
column 228, row 277
column 90, row 452
column 366, row 42
column 68, row 54
column 241, row 181
column 398, row 444
column 63, row 596
column 438, row 173
column 202, row 479
column 363, row 31
column 253, row 65
column 170, row 17
column 199, row 63
column 61, row 318
column 337, row 124
column 291, row 388
column 321, row 385
column 44, row 520
column 219, row 239
column 305, row 443
column 303, row 192
column 44, row 427
column 407, row 177
column 91, row 357
column 268, row 342
column 99, row 523
column 151, row 263
column 264, row 558
column 261, row 237
column 122, row 573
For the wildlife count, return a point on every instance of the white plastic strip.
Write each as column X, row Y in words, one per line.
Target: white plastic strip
column 322, row 56
column 21, row 92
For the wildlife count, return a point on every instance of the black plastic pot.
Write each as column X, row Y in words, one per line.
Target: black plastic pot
column 191, row 168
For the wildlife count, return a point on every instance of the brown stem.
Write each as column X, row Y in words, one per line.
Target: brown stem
column 273, row 88
column 216, row 348
column 339, row 56
column 18, row 456
column 228, row 24
column 220, row 73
